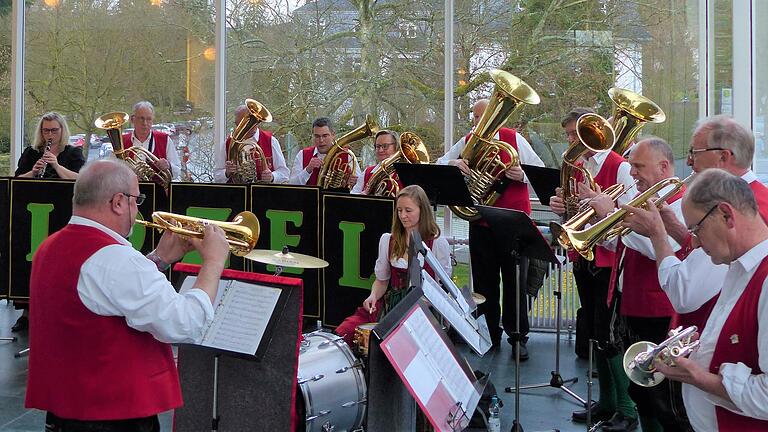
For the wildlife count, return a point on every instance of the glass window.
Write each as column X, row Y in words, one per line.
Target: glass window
column 5, row 87
column 760, row 89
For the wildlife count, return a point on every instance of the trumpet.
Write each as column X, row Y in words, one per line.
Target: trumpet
column 242, row 233
column 640, row 357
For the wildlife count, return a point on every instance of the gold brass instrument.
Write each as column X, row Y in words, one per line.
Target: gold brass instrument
column 631, row 112
column 335, row 172
column 584, row 241
column 244, row 153
column 242, row 233
column 483, row 153
column 141, row 160
column 595, row 135
column 383, row 182
column 640, row 357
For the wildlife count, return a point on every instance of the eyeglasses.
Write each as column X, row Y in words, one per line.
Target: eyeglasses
column 139, row 198
column 693, row 230
column 382, row 146
column 51, row 130
column 692, row 152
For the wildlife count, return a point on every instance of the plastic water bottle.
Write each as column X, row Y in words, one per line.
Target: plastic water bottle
column 494, row 415
column 106, row 150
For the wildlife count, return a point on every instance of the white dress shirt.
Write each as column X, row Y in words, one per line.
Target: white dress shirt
column 360, row 183
column 300, row 176
column 171, row 154
column 595, row 164
column 280, row 173
column 693, row 281
column 747, row 388
column 440, row 248
column 119, row 281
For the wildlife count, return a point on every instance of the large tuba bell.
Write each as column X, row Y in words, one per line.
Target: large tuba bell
column 383, row 181
column 141, row 161
column 340, row 162
column 244, row 153
column 242, row 233
column 640, row 357
column 631, row 112
column 482, row 152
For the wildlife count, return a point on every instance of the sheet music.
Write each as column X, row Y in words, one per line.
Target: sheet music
column 241, row 313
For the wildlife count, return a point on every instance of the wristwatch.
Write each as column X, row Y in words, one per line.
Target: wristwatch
column 155, row 258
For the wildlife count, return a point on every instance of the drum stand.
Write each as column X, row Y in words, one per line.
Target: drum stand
column 557, row 380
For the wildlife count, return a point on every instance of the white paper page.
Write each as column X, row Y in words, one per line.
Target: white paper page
column 422, row 377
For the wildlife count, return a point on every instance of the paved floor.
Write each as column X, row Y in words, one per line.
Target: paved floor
column 540, row 409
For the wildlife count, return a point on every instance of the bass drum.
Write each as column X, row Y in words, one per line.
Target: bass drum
column 332, row 384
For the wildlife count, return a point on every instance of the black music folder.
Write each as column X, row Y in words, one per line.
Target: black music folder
column 544, row 181
column 444, row 184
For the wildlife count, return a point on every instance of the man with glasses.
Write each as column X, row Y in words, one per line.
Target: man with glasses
column 306, row 166
column 725, row 386
column 102, row 314
column 386, row 143
column 156, row 142
column 489, row 258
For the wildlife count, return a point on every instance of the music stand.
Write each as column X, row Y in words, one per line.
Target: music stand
column 543, row 180
column 444, row 184
column 518, row 232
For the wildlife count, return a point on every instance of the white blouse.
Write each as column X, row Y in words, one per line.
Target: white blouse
column 440, row 248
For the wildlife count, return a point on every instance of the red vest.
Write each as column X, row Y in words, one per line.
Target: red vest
column 761, row 196
column 398, row 277
column 641, row 294
column 369, row 171
column 738, row 343
column 265, row 143
column 159, row 138
column 82, row 365
column 307, row 154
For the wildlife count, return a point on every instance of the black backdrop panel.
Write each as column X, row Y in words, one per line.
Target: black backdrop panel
column 4, row 249
column 209, row 201
column 352, row 227
column 289, row 217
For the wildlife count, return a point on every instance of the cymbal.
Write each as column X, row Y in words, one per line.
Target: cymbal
column 288, row 259
column 478, row 298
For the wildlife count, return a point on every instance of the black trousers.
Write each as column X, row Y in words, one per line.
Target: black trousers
column 53, row 423
column 600, row 322
column 489, row 259
column 664, row 402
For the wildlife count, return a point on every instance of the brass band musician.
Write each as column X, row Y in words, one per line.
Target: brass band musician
column 385, row 145
column 306, row 165
column 156, row 142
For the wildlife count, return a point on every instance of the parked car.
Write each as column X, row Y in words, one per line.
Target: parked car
column 77, row 140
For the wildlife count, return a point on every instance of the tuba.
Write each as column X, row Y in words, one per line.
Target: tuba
column 340, row 162
column 631, row 112
column 242, row 233
column 244, row 153
column 640, row 357
column 383, row 181
column 482, row 152
column 141, row 160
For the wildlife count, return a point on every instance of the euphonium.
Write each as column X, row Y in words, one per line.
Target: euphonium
column 482, row 152
column 244, row 153
column 242, row 233
column 595, row 135
column 631, row 112
column 141, row 161
column 640, row 357
column 584, row 241
column 340, row 162
column 383, row 181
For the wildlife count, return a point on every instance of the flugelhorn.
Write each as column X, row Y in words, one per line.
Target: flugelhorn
column 242, row 233
column 244, row 153
column 141, row 161
column 484, row 154
column 631, row 112
column 383, row 181
column 640, row 357
column 340, row 162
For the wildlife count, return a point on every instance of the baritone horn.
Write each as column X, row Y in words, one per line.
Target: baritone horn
column 631, row 112
column 341, row 163
column 383, row 181
column 141, row 160
column 242, row 233
column 243, row 153
column 487, row 157
column 640, row 357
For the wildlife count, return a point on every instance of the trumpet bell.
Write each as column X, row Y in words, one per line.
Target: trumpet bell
column 637, row 369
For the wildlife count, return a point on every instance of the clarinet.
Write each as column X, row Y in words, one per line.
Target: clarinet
column 45, row 164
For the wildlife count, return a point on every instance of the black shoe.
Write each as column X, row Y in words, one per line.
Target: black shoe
column 21, row 324
column 597, row 414
column 620, row 423
column 523, row 352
